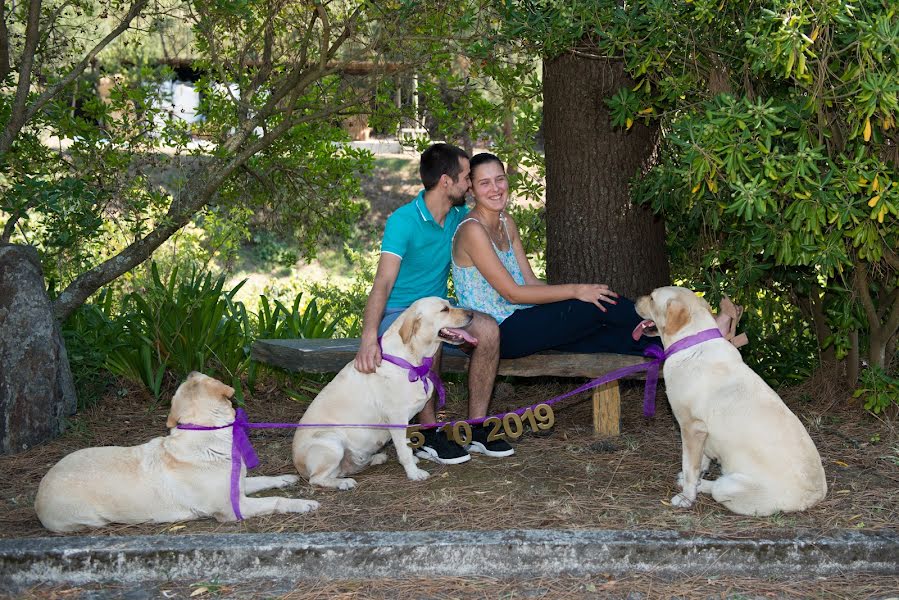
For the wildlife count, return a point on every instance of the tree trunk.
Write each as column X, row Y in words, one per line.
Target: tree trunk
column 594, row 233
column 36, row 390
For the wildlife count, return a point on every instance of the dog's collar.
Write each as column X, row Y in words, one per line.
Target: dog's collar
column 422, row 372
column 692, row 340
column 241, row 452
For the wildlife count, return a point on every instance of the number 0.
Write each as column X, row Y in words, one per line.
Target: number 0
column 508, row 420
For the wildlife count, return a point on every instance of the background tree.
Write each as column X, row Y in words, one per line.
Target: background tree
column 594, row 232
column 277, row 78
column 778, row 156
column 98, row 185
column 781, row 159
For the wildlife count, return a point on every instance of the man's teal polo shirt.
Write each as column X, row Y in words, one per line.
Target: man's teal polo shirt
column 424, row 247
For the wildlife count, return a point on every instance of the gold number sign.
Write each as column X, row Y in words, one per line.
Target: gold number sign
column 511, row 426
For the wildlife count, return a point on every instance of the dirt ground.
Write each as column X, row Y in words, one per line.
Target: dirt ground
column 564, row 478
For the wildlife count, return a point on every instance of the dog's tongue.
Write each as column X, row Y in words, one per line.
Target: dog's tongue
column 463, row 334
column 638, row 330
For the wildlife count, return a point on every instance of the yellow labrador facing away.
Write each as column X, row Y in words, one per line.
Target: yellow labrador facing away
column 185, row 475
column 728, row 413
column 327, row 455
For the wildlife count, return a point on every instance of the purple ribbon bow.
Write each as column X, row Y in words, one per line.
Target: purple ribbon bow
column 652, row 379
column 241, row 452
column 659, row 356
column 422, row 372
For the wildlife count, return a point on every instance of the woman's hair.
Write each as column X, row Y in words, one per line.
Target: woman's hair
column 482, row 159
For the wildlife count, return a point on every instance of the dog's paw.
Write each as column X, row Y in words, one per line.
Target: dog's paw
column 287, row 480
column 308, row 505
column 417, row 474
column 347, row 483
column 681, row 501
column 378, row 459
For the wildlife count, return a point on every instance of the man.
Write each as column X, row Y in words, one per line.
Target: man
column 415, row 263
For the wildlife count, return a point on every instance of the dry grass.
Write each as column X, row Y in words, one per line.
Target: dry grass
column 563, row 479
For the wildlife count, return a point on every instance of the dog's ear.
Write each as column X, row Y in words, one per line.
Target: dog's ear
column 409, row 328
column 172, row 421
column 217, row 388
column 677, row 315
column 181, row 401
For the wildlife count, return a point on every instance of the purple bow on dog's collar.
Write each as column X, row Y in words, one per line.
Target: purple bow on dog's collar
column 241, row 452
column 658, row 356
column 422, row 372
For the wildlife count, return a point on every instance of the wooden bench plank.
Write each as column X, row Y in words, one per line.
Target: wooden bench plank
column 330, row 355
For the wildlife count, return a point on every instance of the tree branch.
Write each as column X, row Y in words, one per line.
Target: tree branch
column 891, row 323
column 21, row 114
column 891, row 257
column 178, row 215
column 860, row 283
column 5, row 65
column 8, row 228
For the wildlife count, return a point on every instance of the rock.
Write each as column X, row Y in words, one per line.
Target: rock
column 36, row 389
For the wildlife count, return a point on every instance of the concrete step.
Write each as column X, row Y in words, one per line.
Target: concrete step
column 233, row 558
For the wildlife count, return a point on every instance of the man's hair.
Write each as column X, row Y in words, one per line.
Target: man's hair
column 482, row 159
column 438, row 160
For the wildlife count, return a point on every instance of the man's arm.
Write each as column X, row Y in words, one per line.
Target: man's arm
column 369, row 356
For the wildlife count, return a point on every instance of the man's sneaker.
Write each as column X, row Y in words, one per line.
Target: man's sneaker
column 479, row 444
column 440, row 449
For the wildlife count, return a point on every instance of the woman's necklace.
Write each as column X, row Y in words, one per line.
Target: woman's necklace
column 496, row 233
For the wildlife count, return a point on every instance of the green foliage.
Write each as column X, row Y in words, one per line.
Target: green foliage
column 181, row 325
column 86, row 178
column 90, row 335
column 879, row 390
column 350, row 302
column 296, row 322
column 271, row 250
column 157, row 335
column 786, row 178
column 778, row 165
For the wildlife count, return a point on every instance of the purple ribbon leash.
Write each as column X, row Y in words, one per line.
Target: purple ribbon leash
column 651, row 367
column 242, row 450
column 422, row 372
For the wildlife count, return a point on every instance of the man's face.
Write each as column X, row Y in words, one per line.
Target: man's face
column 459, row 189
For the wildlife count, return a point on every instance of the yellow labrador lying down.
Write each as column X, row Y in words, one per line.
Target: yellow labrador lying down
column 728, row 413
column 326, row 456
column 185, row 475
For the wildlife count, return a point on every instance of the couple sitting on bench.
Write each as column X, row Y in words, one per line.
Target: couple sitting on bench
column 517, row 314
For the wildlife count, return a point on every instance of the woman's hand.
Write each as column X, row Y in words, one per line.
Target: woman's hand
column 594, row 293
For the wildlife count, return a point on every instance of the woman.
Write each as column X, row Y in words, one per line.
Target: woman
column 491, row 274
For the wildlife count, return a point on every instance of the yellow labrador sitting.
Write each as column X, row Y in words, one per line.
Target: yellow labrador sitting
column 728, row 413
column 185, row 475
column 326, row 456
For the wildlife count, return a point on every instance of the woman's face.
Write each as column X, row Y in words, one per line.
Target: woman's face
column 489, row 186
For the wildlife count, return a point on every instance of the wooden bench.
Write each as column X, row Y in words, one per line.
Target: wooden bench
column 330, row 355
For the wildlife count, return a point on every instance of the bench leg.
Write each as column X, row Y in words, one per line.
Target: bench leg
column 607, row 410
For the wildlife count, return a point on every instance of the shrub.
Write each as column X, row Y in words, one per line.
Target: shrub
column 182, row 325
column 90, row 334
column 879, row 391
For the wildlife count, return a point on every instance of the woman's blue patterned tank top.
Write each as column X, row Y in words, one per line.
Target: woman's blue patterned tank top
column 475, row 292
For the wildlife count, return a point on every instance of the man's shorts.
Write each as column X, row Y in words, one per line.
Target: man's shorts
column 390, row 315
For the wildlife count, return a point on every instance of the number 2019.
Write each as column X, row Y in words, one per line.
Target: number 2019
column 511, row 426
